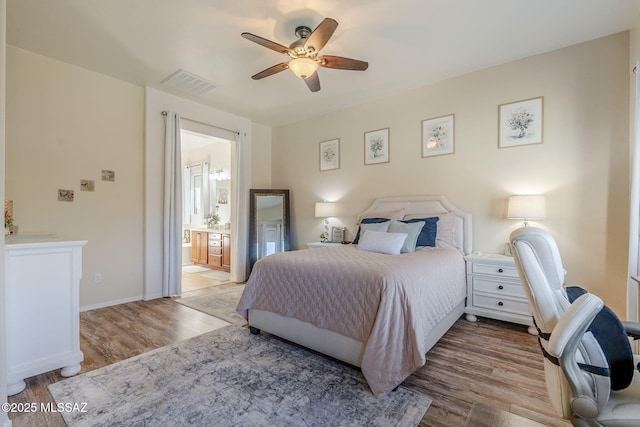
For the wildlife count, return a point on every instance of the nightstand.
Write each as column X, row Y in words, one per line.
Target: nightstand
column 494, row 290
column 314, row 245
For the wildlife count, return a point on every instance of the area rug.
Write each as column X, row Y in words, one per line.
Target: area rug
column 221, row 276
column 194, row 269
column 229, row 377
column 220, row 303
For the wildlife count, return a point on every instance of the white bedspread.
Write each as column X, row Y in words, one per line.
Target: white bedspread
column 389, row 302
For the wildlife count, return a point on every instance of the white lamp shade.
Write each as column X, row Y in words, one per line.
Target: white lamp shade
column 303, row 67
column 325, row 209
column 527, row 207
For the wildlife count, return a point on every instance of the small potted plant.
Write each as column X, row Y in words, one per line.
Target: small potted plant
column 212, row 220
column 8, row 222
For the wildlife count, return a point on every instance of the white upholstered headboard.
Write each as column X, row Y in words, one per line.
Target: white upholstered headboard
column 428, row 205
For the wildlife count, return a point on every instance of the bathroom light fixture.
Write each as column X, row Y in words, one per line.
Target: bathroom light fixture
column 527, row 207
column 325, row 210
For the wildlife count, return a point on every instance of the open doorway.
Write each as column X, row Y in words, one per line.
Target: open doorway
column 206, row 165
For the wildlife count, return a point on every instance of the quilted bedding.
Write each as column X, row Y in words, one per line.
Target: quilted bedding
column 388, row 302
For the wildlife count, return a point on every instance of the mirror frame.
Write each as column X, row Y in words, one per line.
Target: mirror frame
column 253, row 217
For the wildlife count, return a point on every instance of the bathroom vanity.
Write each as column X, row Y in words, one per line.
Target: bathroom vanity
column 211, row 248
column 42, row 279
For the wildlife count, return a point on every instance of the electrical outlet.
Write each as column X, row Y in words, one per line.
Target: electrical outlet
column 97, row 278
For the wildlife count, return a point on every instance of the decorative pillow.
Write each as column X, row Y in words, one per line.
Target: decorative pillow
column 412, row 229
column 367, row 222
column 446, row 226
column 428, row 234
column 611, row 336
column 397, row 214
column 381, row 242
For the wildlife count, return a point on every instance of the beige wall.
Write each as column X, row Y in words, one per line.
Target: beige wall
column 582, row 166
column 65, row 124
column 261, row 156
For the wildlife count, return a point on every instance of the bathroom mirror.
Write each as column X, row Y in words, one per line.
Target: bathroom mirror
column 269, row 227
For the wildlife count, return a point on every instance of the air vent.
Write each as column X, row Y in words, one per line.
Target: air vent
column 189, row 82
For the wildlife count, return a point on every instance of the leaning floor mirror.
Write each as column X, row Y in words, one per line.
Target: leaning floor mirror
column 269, row 225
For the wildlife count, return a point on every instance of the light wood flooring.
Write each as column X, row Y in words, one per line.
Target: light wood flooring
column 489, row 362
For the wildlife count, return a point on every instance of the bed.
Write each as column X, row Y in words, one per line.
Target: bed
column 376, row 311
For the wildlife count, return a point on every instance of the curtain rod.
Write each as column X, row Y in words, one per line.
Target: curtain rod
column 164, row 113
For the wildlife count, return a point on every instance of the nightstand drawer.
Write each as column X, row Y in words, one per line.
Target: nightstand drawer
column 497, row 270
column 501, row 304
column 497, row 286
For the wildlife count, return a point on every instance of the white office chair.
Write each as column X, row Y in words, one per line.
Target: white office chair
column 578, row 375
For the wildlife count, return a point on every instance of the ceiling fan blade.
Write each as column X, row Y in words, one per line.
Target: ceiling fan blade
column 321, row 35
column 313, row 82
column 271, row 71
column 266, row 43
column 341, row 63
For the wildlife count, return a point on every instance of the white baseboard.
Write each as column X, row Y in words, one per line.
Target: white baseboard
column 110, row 303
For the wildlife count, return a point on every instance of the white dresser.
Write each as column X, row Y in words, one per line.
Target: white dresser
column 42, row 280
column 494, row 290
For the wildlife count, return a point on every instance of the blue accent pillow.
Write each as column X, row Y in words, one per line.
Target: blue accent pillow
column 427, row 236
column 611, row 336
column 369, row 221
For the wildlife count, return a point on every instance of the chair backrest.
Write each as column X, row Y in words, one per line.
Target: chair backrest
column 540, row 267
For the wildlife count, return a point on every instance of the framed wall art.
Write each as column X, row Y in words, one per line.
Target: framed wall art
column 330, row 155
column 438, row 136
column 376, row 146
column 520, row 123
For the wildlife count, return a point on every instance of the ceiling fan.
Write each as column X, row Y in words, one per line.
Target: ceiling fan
column 303, row 52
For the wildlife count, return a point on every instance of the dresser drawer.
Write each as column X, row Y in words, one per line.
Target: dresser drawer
column 501, row 304
column 215, row 236
column 497, row 286
column 497, row 270
column 215, row 243
column 215, row 250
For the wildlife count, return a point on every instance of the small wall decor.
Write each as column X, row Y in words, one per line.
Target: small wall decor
column 376, row 146
column 520, row 123
column 438, row 136
column 108, row 175
column 223, row 196
column 330, row 155
column 87, row 185
column 65, row 195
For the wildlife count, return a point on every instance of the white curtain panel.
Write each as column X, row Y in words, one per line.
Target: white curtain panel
column 172, row 212
column 633, row 295
column 240, row 179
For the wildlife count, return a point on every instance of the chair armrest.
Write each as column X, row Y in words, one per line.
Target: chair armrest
column 573, row 325
column 563, row 344
column 632, row 329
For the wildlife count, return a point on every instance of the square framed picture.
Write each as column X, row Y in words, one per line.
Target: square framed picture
column 330, row 155
column 338, row 234
column 376, row 146
column 438, row 136
column 520, row 123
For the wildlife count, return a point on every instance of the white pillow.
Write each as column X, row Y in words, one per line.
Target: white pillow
column 374, row 226
column 384, row 243
column 412, row 229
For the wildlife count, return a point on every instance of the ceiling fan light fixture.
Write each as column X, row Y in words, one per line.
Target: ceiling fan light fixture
column 303, row 67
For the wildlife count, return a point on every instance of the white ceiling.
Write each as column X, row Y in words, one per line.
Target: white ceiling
column 408, row 43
